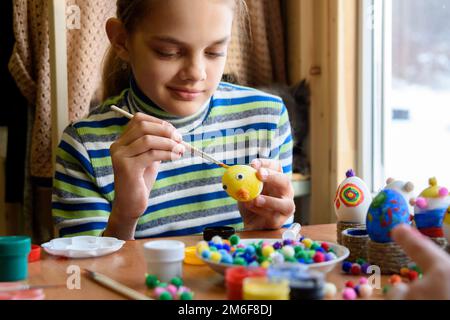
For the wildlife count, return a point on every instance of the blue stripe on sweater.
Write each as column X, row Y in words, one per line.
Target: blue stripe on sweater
column 87, row 165
column 82, row 228
column 81, row 206
column 186, row 200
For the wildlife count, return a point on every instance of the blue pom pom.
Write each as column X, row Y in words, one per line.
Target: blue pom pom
column 321, row 250
column 346, row 266
column 250, row 250
column 223, row 252
column 227, row 259
column 206, row 254
column 225, row 246
column 211, row 244
column 218, row 246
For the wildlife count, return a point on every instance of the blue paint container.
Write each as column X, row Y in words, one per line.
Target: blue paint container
column 14, row 253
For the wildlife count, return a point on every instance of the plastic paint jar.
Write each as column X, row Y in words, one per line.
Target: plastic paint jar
column 14, row 258
column 304, row 284
column 265, row 289
column 164, row 258
column 235, row 276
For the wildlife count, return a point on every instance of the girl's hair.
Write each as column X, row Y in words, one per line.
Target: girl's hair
column 116, row 72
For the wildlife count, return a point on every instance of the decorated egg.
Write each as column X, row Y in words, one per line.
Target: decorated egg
column 446, row 225
column 404, row 188
column 241, row 183
column 430, row 209
column 388, row 209
column 352, row 199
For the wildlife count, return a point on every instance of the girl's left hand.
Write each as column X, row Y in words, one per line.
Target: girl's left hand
column 276, row 204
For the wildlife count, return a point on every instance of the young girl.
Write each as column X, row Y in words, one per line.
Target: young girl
column 132, row 178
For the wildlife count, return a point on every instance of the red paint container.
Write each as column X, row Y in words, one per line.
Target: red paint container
column 235, row 276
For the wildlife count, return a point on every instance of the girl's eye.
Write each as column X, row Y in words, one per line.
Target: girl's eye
column 239, row 176
column 215, row 54
column 165, row 54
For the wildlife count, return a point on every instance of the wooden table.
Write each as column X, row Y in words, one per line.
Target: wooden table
column 128, row 266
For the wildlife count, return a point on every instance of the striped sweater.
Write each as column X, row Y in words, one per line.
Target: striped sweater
column 237, row 125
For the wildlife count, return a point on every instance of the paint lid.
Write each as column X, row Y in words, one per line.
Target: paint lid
column 222, row 231
column 236, row 275
column 35, row 254
column 164, row 251
column 14, row 291
column 15, row 246
column 191, row 256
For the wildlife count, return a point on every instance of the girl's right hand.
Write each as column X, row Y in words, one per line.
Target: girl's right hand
column 136, row 156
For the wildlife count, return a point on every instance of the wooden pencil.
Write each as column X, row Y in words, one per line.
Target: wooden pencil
column 115, row 286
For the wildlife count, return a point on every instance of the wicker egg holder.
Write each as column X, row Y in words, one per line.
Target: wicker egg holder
column 341, row 226
column 356, row 240
column 389, row 256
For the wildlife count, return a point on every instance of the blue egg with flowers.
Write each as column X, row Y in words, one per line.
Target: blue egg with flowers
column 388, row 209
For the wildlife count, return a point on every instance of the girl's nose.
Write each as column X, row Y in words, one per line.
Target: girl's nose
column 194, row 70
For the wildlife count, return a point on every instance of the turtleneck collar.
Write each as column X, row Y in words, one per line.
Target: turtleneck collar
column 139, row 102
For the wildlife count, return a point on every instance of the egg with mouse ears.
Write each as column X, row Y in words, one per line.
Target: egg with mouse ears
column 241, row 183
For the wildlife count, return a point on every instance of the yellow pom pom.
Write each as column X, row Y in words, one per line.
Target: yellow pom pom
column 216, row 257
column 265, row 264
column 267, row 251
column 307, row 242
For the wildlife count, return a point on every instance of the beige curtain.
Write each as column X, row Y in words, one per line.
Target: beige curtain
column 259, row 59
column 30, row 66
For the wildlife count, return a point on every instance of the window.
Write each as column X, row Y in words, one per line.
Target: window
column 405, row 92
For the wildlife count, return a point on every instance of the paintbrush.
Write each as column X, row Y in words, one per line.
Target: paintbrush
column 198, row 151
column 115, row 286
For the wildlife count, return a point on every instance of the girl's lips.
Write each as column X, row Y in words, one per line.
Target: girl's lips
column 185, row 94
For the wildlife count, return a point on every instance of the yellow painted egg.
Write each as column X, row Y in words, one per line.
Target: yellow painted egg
column 241, row 183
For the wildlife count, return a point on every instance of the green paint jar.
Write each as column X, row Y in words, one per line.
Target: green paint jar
column 14, row 253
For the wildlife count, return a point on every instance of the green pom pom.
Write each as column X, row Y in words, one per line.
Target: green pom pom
column 315, row 246
column 239, row 261
column 151, row 281
column 298, row 249
column 234, row 239
column 162, row 285
column 177, row 282
column 360, row 261
column 386, row 289
column 291, row 259
column 165, row 296
column 186, row 296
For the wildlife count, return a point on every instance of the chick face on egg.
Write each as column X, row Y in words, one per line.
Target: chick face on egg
column 241, row 183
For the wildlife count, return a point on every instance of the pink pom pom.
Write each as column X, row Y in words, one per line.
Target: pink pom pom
column 349, row 294
column 363, row 280
column 158, row 291
column 172, row 290
column 443, row 192
column 421, row 203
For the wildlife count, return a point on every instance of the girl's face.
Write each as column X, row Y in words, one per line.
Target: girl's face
column 178, row 52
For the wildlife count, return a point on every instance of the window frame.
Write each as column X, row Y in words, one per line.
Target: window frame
column 375, row 78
